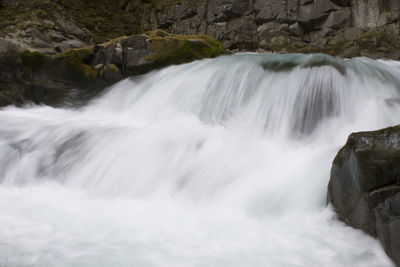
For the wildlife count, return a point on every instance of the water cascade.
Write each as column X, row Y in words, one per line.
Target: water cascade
column 220, row 162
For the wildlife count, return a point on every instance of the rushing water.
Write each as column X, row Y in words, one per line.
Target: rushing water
column 221, row 162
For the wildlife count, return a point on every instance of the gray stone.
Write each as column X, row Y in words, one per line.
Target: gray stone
column 268, row 10
column 352, row 33
column 221, row 10
column 68, row 44
column 365, row 184
column 337, row 19
column 296, row 29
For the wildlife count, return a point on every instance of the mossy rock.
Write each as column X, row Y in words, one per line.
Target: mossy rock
column 141, row 53
column 111, row 73
column 50, row 79
column 68, row 66
column 175, row 49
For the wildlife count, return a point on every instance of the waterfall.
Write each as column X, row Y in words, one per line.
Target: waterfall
column 219, row 162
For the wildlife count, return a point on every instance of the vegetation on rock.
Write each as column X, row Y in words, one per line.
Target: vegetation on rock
column 50, row 78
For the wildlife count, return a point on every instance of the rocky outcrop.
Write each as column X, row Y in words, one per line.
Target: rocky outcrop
column 364, row 188
column 77, row 74
column 140, row 53
column 338, row 27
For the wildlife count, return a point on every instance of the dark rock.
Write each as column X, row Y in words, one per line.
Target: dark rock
column 365, row 184
column 388, row 226
column 111, row 74
column 77, row 74
column 296, row 29
column 343, row 3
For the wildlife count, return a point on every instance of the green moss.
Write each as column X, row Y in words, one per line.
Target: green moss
column 74, row 61
column 34, row 60
column 69, row 64
column 180, row 49
column 113, row 41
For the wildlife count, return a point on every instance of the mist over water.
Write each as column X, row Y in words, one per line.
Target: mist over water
column 220, row 162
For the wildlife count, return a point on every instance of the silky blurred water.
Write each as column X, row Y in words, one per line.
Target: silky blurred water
column 220, row 162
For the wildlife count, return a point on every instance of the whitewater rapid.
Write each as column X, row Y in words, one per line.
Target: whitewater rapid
column 220, row 162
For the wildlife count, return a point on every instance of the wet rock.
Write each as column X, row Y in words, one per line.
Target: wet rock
column 388, row 226
column 111, row 74
column 364, row 187
column 56, row 79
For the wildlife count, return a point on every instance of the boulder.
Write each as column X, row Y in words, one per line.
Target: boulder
column 141, row 53
column 364, row 186
column 76, row 74
column 387, row 216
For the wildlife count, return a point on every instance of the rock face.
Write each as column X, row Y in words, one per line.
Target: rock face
column 364, row 187
column 80, row 73
column 337, row 27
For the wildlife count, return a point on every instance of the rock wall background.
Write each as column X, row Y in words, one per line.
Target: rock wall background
column 338, row 27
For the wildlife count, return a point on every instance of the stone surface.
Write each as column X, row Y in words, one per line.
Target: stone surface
column 307, row 26
column 77, row 74
column 364, row 187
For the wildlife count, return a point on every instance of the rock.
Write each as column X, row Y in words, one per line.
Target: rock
column 223, row 10
column 5, row 3
column 68, row 44
column 55, row 79
column 306, row 25
column 243, row 33
column 296, row 29
column 111, row 74
column 140, row 53
column 388, row 226
column 312, row 16
column 364, row 187
column 343, row 3
column 337, row 19
column 268, row 10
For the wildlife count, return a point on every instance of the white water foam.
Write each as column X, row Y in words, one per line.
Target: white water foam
column 221, row 162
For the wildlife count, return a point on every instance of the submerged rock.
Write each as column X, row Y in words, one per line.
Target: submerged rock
column 76, row 74
column 364, row 187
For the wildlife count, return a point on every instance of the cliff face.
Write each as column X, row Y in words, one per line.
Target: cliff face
column 338, row 27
